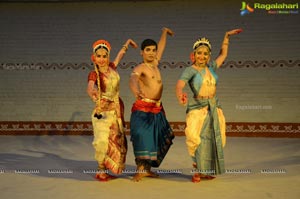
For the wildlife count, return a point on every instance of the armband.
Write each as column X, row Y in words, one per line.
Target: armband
column 135, row 73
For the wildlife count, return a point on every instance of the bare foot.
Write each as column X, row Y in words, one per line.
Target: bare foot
column 138, row 176
column 196, row 178
column 103, row 177
column 151, row 174
column 207, row 177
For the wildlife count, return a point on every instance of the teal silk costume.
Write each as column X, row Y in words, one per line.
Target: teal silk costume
column 150, row 132
column 205, row 122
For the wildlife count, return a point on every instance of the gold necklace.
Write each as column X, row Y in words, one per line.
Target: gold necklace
column 200, row 66
column 104, row 71
column 152, row 67
column 209, row 79
column 149, row 65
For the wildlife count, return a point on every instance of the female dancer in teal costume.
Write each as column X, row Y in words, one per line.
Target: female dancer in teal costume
column 205, row 122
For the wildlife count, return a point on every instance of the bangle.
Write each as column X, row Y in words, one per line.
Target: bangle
column 125, row 47
column 225, row 43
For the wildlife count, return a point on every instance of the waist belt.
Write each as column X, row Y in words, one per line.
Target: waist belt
column 204, row 97
column 157, row 102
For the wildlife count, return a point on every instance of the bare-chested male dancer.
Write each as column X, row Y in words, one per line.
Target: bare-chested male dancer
column 150, row 131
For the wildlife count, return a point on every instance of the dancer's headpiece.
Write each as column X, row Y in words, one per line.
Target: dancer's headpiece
column 101, row 44
column 202, row 42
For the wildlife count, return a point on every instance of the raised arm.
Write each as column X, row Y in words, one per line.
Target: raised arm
column 224, row 48
column 123, row 50
column 162, row 42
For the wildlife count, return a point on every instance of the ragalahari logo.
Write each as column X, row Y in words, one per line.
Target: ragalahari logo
column 246, row 9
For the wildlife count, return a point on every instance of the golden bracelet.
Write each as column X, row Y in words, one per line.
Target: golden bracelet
column 125, row 47
column 179, row 96
column 225, row 43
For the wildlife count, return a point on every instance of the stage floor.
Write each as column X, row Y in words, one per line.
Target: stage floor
column 62, row 167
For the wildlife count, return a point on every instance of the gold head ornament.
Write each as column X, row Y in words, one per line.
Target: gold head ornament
column 202, row 42
column 101, row 44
